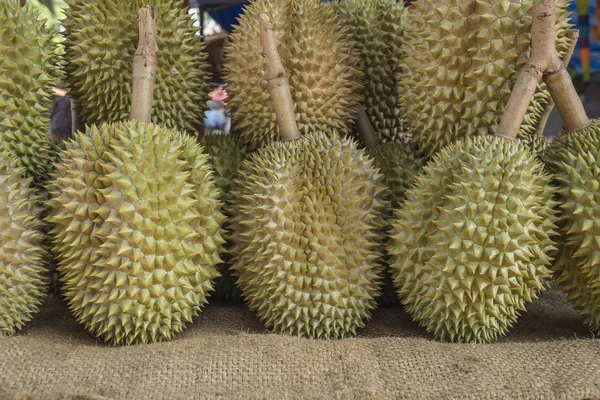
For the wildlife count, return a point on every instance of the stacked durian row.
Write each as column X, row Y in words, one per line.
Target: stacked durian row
column 137, row 208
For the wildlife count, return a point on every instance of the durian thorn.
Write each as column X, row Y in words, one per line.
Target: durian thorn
column 544, row 60
column 145, row 63
column 573, row 36
column 278, row 82
column 365, row 129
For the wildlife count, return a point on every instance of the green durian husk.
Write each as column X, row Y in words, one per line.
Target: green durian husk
column 226, row 155
column 138, row 229
column 463, row 59
column 321, row 61
column 101, row 38
column 30, row 70
column 537, row 144
column 378, row 28
column 399, row 164
column 574, row 161
column 306, row 236
column 23, row 276
column 470, row 245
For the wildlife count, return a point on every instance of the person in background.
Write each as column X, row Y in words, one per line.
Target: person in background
column 61, row 122
column 217, row 120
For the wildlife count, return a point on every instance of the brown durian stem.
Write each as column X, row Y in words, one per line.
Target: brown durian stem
column 573, row 36
column 144, row 67
column 567, row 101
column 544, row 59
column 278, row 82
column 365, row 129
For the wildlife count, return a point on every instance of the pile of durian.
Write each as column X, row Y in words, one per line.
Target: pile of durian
column 381, row 155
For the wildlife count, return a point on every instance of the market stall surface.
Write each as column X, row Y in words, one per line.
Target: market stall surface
column 228, row 354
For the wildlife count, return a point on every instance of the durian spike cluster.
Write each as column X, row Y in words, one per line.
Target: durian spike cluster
column 463, row 58
column 226, row 155
column 305, row 231
column 23, row 277
column 30, row 69
column 378, row 28
column 138, row 230
column 321, row 60
column 306, row 218
column 100, row 40
column 399, row 164
column 470, row 244
column 576, row 165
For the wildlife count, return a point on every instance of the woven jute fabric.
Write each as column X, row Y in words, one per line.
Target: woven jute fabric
column 228, row 354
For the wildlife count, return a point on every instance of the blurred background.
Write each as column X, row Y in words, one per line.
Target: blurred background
column 216, row 18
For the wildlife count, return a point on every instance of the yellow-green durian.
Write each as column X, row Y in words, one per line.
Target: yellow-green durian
column 400, row 164
column 305, row 231
column 29, row 69
column 378, row 28
column 101, row 38
column 537, row 144
column 575, row 162
column 463, row 58
column 321, row 61
column 23, row 277
column 226, row 155
column 137, row 223
column 470, row 244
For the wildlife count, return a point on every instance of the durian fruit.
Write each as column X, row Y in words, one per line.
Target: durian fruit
column 305, row 222
column 470, row 244
column 100, row 40
column 137, row 220
column 29, row 70
column 576, row 165
column 463, row 58
column 322, row 62
column 399, row 163
column 23, row 276
column 226, row 155
column 537, row 145
column 378, row 28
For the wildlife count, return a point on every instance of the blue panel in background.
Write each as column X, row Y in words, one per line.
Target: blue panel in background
column 594, row 44
column 226, row 17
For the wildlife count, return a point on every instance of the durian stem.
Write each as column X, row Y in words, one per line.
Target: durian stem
column 278, row 82
column 544, row 59
column 144, row 67
column 567, row 101
column 365, row 129
column 573, row 36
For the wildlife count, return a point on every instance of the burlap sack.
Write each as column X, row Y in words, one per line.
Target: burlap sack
column 227, row 354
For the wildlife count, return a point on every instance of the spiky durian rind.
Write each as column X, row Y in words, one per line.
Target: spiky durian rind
column 100, row 40
column 470, row 244
column 575, row 162
column 305, row 232
column 463, row 58
column 137, row 227
column 399, row 163
column 378, row 28
column 23, row 277
column 321, row 61
column 226, row 155
column 30, row 69
column 537, row 144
